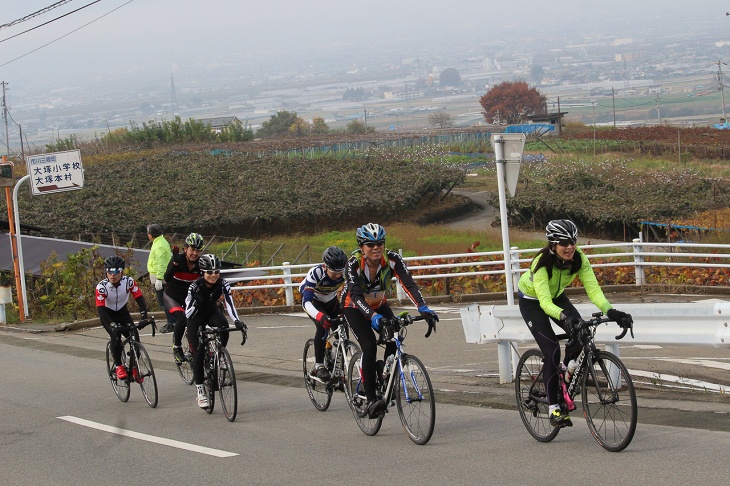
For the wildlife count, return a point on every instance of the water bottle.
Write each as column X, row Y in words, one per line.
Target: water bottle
column 388, row 365
column 569, row 403
column 572, row 365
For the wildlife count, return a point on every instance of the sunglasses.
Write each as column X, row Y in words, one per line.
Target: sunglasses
column 335, row 270
column 114, row 271
column 566, row 242
column 373, row 244
column 211, row 272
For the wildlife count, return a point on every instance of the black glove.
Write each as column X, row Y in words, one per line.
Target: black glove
column 572, row 323
column 239, row 325
column 621, row 318
column 143, row 323
column 323, row 321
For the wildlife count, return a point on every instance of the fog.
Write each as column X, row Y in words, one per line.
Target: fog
column 121, row 39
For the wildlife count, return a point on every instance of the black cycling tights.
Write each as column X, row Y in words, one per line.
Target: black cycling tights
column 214, row 319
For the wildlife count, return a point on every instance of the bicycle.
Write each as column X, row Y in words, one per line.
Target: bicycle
column 185, row 368
column 607, row 391
column 405, row 381
column 337, row 357
column 218, row 372
column 137, row 363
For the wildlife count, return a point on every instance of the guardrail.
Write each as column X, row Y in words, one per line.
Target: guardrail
column 637, row 254
column 697, row 323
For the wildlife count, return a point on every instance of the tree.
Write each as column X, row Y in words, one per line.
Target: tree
column 511, row 101
column 440, row 119
column 319, row 127
column 278, row 124
column 357, row 127
column 449, row 77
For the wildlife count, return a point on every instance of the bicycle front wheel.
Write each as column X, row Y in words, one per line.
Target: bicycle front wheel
column 144, row 374
column 351, row 348
column 319, row 393
column 121, row 387
column 210, row 378
column 186, row 367
column 357, row 398
column 532, row 400
column 227, row 385
column 609, row 402
column 415, row 400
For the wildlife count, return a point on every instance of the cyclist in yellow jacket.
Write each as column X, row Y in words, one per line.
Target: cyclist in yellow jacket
column 160, row 254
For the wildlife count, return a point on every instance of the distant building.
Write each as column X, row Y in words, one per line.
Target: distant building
column 554, row 120
column 221, row 123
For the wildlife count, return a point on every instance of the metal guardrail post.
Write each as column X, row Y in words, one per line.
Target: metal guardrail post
column 639, row 262
column 289, row 291
column 398, row 289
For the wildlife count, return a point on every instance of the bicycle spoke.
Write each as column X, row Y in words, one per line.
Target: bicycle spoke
column 319, row 393
column 227, row 387
column 531, row 397
column 415, row 400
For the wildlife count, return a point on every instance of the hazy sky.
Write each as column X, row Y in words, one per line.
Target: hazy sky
column 170, row 34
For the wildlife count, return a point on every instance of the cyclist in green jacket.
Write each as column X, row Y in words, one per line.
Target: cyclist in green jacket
column 160, row 254
column 541, row 299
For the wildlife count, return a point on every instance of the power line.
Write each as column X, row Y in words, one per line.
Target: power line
column 35, row 14
column 65, row 35
column 46, row 23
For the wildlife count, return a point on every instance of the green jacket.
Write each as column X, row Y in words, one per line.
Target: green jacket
column 160, row 255
column 538, row 286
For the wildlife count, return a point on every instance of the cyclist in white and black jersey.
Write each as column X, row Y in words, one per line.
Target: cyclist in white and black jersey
column 201, row 308
column 319, row 300
column 112, row 295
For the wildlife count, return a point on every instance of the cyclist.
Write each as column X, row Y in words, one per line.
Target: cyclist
column 319, row 300
column 541, row 298
column 201, row 308
column 368, row 276
column 112, row 295
column 181, row 272
column 160, row 254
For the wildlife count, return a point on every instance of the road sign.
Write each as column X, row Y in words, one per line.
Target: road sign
column 55, row 172
column 508, row 148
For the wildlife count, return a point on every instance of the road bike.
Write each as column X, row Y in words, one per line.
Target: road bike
column 136, row 362
column 218, row 372
column 185, row 368
column 337, row 356
column 404, row 381
column 607, row 392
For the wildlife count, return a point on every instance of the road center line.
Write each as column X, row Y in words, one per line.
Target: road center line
column 148, row 438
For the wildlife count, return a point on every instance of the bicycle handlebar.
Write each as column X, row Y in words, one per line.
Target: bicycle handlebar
column 389, row 327
column 220, row 330
column 599, row 318
column 116, row 326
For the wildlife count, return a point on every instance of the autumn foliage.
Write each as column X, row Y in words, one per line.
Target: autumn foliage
column 510, row 102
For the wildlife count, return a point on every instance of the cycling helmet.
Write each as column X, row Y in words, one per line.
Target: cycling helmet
column 334, row 258
column 559, row 230
column 209, row 262
column 114, row 262
column 155, row 230
column 370, row 232
column 194, row 240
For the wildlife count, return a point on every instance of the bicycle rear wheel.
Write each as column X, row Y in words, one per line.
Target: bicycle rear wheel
column 319, row 393
column 415, row 400
column 186, row 368
column 532, row 401
column 145, row 375
column 227, row 385
column 357, row 398
column 609, row 402
column 351, row 348
column 121, row 387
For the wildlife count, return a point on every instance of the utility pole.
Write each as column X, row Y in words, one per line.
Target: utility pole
column 366, row 117
column 658, row 115
column 721, row 88
column 613, row 97
column 5, row 115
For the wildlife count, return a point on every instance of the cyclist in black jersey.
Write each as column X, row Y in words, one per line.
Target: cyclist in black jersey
column 181, row 272
column 201, row 308
column 368, row 277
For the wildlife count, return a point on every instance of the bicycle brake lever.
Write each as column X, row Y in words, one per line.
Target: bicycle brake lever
column 244, row 336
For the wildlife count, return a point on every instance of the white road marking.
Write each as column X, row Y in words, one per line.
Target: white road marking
column 279, row 327
column 148, row 438
column 707, row 363
column 647, row 346
column 684, row 382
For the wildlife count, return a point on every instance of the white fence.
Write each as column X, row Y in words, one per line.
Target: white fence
column 637, row 254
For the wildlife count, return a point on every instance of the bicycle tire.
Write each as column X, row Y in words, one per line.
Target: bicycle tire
column 351, row 348
column 319, row 393
column 227, row 388
column 415, row 400
column 186, row 368
column 531, row 396
column 146, row 375
column 121, row 387
column 609, row 402
column 357, row 398
column 210, row 381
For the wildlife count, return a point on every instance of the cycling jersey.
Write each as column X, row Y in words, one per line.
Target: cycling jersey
column 179, row 276
column 362, row 293
column 160, row 254
column 539, row 286
column 318, row 286
column 114, row 297
column 202, row 299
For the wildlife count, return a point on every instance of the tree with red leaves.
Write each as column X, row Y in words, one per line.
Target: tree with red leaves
column 510, row 102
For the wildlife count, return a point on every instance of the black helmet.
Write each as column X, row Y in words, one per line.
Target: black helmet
column 114, row 262
column 335, row 259
column 195, row 240
column 559, row 230
column 209, row 262
column 370, row 233
column 155, row 230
